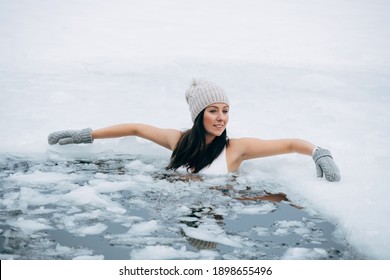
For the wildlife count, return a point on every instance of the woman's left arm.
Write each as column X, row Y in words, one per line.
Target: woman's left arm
column 249, row 148
column 254, row 148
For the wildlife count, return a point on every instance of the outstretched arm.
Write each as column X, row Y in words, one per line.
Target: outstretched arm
column 254, row 148
column 167, row 138
column 249, row 148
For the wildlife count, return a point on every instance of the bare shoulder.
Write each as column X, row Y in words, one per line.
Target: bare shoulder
column 236, row 147
column 235, row 152
column 174, row 135
column 240, row 145
column 240, row 149
column 165, row 137
column 235, row 142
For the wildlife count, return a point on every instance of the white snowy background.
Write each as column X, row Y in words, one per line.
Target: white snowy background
column 317, row 70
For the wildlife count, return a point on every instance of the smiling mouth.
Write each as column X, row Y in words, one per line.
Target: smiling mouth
column 218, row 125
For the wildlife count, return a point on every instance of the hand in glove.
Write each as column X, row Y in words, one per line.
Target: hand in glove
column 325, row 164
column 65, row 137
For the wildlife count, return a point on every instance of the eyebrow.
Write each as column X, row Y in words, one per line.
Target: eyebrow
column 213, row 106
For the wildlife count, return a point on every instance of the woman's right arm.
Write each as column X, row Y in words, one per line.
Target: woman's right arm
column 167, row 138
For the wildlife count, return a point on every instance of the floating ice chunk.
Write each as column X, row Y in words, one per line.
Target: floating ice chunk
column 281, row 232
column 212, row 233
column 141, row 166
column 104, row 186
column 73, row 222
column 142, row 178
column 218, row 180
column 289, row 224
column 189, row 219
column 63, row 250
column 30, row 226
column 302, row 228
column 91, row 230
column 304, row 254
column 183, row 210
column 286, row 227
column 39, row 177
column 42, row 210
column 260, row 208
column 33, row 197
column 261, row 231
column 87, row 195
column 144, row 228
column 164, row 252
column 10, row 200
column 70, row 252
column 73, row 210
column 101, row 176
column 126, row 239
column 303, row 231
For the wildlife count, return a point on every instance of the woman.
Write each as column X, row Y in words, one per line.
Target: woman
column 205, row 147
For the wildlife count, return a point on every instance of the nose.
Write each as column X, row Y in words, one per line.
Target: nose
column 220, row 116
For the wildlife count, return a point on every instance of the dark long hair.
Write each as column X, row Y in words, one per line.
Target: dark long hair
column 192, row 152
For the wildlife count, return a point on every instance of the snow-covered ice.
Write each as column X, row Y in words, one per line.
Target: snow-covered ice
column 317, row 70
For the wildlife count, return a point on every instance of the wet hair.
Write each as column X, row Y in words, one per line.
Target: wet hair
column 192, row 152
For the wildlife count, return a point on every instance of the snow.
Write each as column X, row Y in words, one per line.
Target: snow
column 317, row 70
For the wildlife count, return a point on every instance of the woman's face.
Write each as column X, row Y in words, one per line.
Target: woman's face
column 215, row 119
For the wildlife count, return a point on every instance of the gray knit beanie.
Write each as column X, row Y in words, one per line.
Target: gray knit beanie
column 201, row 94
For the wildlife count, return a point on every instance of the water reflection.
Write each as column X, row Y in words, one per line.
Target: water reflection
column 194, row 219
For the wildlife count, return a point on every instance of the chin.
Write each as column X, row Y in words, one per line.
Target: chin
column 219, row 133
column 216, row 132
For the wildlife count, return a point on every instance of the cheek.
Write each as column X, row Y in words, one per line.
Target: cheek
column 206, row 119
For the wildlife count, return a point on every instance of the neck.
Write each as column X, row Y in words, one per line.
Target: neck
column 209, row 139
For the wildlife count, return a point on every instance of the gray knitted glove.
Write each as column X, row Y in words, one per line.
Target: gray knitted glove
column 325, row 164
column 65, row 137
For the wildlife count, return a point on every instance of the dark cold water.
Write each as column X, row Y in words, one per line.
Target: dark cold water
column 126, row 207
